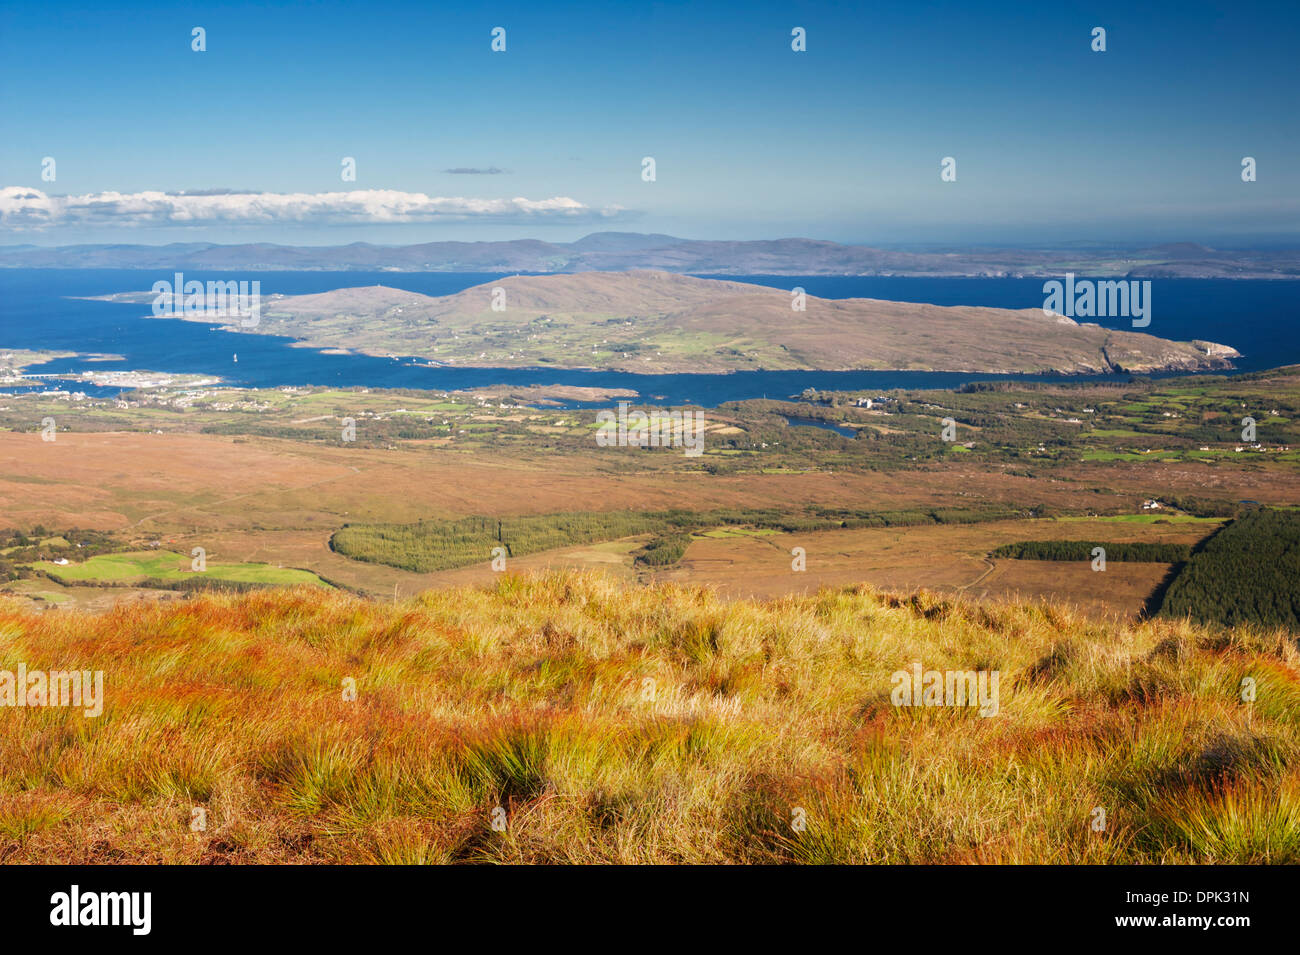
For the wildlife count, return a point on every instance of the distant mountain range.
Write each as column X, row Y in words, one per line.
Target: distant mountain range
column 661, row 323
column 623, row 251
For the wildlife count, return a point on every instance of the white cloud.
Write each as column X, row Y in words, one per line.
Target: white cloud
column 22, row 207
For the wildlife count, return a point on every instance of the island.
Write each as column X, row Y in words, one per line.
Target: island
column 653, row 322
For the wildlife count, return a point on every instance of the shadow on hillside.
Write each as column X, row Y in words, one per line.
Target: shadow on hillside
column 1156, row 599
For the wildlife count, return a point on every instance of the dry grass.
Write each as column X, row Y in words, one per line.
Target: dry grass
column 661, row 724
column 943, row 558
column 278, row 501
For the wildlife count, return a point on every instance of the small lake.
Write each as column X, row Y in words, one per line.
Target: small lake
column 800, row 422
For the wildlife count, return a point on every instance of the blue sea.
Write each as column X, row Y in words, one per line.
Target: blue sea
column 39, row 310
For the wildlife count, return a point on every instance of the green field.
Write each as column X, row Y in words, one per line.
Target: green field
column 162, row 565
column 1161, row 518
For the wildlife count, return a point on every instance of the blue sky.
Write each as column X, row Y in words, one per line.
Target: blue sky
column 1053, row 142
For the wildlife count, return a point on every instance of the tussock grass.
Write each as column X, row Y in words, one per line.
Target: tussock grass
column 656, row 724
